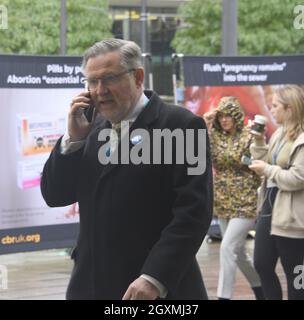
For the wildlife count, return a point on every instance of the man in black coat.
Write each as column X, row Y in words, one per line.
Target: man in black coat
column 141, row 222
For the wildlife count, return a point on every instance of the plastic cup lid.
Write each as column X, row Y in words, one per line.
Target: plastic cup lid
column 260, row 119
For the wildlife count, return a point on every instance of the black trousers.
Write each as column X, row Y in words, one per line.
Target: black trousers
column 269, row 248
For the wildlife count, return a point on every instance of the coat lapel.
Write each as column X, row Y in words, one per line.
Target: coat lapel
column 143, row 121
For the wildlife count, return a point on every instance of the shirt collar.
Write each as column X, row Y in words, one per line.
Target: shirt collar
column 140, row 105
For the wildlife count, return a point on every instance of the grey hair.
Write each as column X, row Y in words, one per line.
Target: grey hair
column 129, row 51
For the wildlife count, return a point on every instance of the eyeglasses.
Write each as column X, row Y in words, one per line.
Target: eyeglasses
column 105, row 81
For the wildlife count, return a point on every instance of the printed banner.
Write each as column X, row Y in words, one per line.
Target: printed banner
column 235, row 71
column 35, row 95
column 250, row 79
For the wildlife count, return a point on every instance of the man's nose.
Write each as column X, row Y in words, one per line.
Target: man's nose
column 101, row 88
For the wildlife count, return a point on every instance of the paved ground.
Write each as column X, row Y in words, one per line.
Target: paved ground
column 44, row 274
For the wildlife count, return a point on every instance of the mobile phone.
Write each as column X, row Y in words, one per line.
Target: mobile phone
column 88, row 112
column 246, row 160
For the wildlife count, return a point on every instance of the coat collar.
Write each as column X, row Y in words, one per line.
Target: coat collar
column 144, row 121
column 298, row 142
column 150, row 113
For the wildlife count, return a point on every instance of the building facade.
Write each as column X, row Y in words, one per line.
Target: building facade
column 162, row 22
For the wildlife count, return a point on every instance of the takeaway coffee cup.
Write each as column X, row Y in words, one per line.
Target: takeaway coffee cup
column 259, row 125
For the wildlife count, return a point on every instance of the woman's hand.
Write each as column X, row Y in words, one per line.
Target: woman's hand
column 258, row 166
column 255, row 134
column 209, row 118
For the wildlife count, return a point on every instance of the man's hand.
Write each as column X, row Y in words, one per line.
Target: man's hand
column 258, row 167
column 141, row 289
column 78, row 125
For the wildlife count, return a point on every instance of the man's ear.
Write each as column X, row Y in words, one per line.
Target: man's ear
column 139, row 77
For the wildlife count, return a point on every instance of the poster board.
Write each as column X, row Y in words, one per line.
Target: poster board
column 35, row 95
column 251, row 79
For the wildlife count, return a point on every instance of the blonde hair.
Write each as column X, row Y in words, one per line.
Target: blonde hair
column 292, row 96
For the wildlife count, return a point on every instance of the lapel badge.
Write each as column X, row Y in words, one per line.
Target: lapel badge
column 136, row 139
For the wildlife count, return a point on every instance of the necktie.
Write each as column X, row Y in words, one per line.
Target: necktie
column 115, row 138
column 120, row 128
column 117, row 128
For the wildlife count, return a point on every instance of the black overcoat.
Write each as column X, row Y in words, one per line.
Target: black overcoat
column 134, row 219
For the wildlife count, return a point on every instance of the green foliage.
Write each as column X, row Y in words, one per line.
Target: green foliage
column 34, row 26
column 264, row 28
column 200, row 32
column 88, row 23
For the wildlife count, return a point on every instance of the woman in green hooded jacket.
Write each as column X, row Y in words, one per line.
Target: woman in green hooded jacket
column 235, row 190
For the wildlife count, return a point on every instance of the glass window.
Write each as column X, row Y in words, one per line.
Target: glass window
column 162, row 24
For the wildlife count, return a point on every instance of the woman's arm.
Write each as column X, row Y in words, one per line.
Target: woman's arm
column 259, row 149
